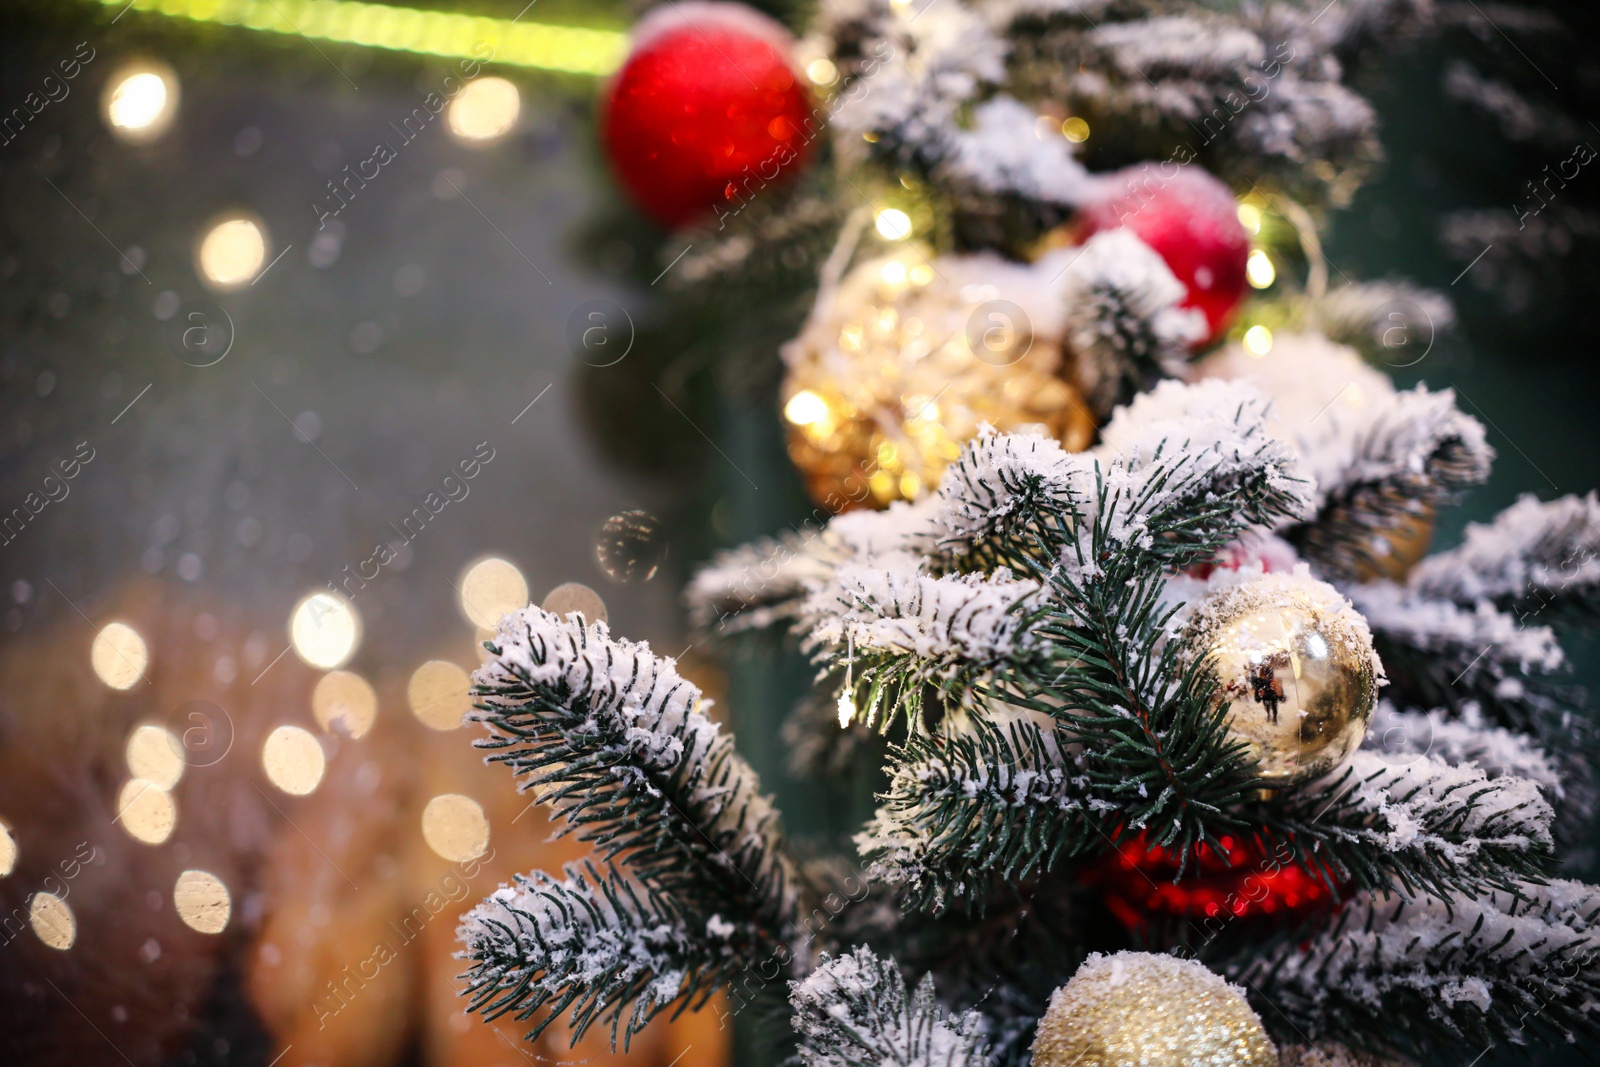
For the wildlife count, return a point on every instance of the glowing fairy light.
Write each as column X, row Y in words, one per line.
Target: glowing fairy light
column 140, row 101
column 847, row 709
column 1259, row 269
column 119, row 655
column 146, row 811
column 52, row 920
column 513, row 41
column 324, row 630
column 155, row 754
column 893, row 224
column 455, row 827
column 490, row 589
column 439, row 693
column 202, row 901
column 1250, row 217
column 1075, row 130
column 822, row 72
column 344, row 703
column 293, row 760
column 232, row 252
column 1258, row 341
column 806, row 408
column 485, row 110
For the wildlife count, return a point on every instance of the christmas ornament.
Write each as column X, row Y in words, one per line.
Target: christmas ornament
column 706, row 111
column 1296, row 667
column 1237, row 879
column 1399, row 548
column 901, row 365
column 1192, row 220
column 1141, row 1009
column 631, row 547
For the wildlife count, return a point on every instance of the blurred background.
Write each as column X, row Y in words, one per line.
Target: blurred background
column 278, row 445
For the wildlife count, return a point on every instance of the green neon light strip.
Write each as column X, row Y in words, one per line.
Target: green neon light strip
column 569, row 49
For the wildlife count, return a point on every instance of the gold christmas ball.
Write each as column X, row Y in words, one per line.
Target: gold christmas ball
column 902, row 363
column 1141, row 1009
column 1296, row 667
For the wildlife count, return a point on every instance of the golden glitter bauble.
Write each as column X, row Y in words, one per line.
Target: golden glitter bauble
column 1296, row 667
column 1397, row 549
column 900, row 366
column 1140, row 1009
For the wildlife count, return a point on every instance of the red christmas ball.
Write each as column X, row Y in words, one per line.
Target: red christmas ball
column 1190, row 219
column 1239, row 878
column 706, row 112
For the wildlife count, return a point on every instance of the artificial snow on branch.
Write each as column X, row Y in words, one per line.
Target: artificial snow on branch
column 1536, row 559
column 994, row 800
column 1416, row 824
column 612, row 738
column 595, row 944
column 1409, row 974
column 854, row 1011
column 1123, row 322
column 1399, row 736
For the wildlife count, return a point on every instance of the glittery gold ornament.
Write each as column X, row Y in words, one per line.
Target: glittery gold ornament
column 1297, row 669
column 900, row 365
column 1140, row 1009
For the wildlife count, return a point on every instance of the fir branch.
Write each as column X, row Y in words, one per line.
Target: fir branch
column 854, row 1011
column 964, row 808
column 1123, row 320
column 1421, row 826
column 1393, row 321
column 1536, row 559
column 610, row 736
column 1438, row 654
column 594, row 944
column 1399, row 736
column 1433, row 976
column 1411, row 451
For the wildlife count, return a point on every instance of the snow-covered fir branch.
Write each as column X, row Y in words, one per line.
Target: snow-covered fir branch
column 1394, row 321
column 1537, row 559
column 1123, row 322
column 1002, row 484
column 1400, row 736
column 612, row 737
column 994, row 799
column 1409, row 973
column 1420, row 825
column 1442, row 627
column 1000, row 155
column 593, row 943
column 854, row 1011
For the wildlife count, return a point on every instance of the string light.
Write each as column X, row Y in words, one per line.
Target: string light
column 146, row 811
column 324, row 630
column 485, row 110
column 1258, row 341
column 140, row 100
column 293, row 760
column 52, row 920
column 156, row 755
column 893, row 224
column 569, row 49
column 1259, row 269
column 490, row 589
column 1075, row 130
column 1250, row 217
column 822, row 72
column 455, row 827
column 232, row 252
column 119, row 655
column 202, row 901
column 439, row 694
column 344, row 703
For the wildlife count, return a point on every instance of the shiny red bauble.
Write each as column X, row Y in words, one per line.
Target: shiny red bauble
column 1240, row 878
column 706, row 112
column 1190, row 219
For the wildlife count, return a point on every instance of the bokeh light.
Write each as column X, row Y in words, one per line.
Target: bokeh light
column 1259, row 269
column 146, row 811
column 140, row 100
column 569, row 597
column 293, row 760
column 893, row 224
column 344, row 703
column 439, row 694
column 202, row 901
column 486, row 109
column 1258, row 341
column 490, row 589
column 8, row 851
column 822, row 71
column 1250, row 217
column 119, row 655
column 455, row 827
column 325, row 630
column 1075, row 130
column 155, row 754
column 52, row 920
column 232, row 252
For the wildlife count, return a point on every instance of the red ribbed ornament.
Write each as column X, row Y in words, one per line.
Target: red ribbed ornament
column 1192, row 221
column 1239, row 879
column 706, row 112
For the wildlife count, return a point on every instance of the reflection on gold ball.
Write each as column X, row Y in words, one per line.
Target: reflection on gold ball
column 1296, row 666
column 899, row 368
column 1140, row 1009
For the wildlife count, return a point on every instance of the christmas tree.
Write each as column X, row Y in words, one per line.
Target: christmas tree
column 1191, row 758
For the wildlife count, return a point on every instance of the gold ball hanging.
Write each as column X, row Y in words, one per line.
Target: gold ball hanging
column 1297, row 669
column 899, row 367
column 1140, row 1009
